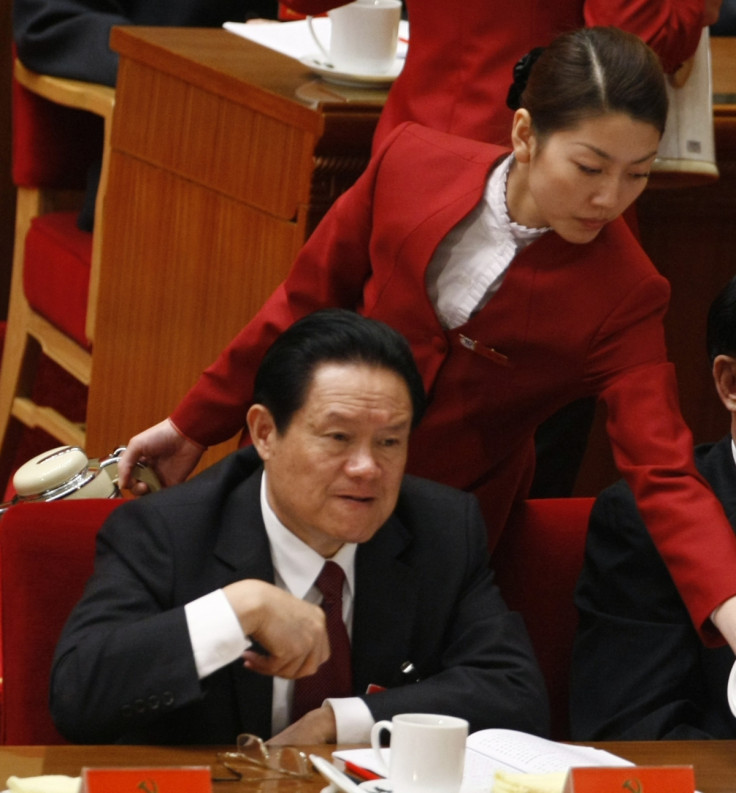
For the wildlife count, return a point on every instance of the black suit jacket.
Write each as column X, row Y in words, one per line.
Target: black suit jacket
column 70, row 38
column 124, row 669
column 639, row 669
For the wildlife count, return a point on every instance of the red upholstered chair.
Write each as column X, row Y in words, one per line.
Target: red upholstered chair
column 537, row 562
column 46, row 556
column 59, row 128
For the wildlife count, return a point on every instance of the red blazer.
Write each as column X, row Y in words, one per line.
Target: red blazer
column 568, row 321
column 462, row 54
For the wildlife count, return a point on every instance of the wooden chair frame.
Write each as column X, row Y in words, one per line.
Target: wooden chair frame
column 28, row 334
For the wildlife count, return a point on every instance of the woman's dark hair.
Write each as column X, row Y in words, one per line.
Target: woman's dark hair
column 720, row 337
column 586, row 73
column 332, row 335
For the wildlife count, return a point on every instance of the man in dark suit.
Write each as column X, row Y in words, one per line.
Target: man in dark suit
column 71, row 38
column 640, row 672
column 201, row 610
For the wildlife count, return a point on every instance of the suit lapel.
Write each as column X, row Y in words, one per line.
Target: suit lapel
column 386, row 593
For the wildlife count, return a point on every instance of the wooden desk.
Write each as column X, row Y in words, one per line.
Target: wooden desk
column 224, row 156
column 714, row 761
column 37, row 760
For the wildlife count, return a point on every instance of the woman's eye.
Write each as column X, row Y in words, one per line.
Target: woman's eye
column 586, row 169
column 640, row 175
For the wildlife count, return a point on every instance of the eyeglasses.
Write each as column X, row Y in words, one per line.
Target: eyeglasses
column 252, row 751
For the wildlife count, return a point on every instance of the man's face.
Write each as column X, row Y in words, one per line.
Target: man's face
column 334, row 475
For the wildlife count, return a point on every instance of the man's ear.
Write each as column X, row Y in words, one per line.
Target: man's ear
column 262, row 429
column 724, row 376
column 522, row 135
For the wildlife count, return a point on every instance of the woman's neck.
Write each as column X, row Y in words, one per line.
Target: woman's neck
column 519, row 202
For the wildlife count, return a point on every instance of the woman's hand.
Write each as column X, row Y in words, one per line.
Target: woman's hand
column 171, row 456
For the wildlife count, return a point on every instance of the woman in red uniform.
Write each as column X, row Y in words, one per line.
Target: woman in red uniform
column 455, row 79
column 520, row 288
column 461, row 55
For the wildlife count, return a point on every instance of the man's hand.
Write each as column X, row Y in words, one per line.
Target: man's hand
column 724, row 618
column 171, row 455
column 317, row 726
column 292, row 632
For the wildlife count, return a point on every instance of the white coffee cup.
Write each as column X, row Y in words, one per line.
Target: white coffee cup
column 364, row 36
column 427, row 752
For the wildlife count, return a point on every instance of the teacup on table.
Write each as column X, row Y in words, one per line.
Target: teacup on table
column 427, row 752
column 364, row 36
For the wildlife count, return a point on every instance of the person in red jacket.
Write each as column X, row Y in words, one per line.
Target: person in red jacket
column 455, row 79
column 461, row 55
column 520, row 288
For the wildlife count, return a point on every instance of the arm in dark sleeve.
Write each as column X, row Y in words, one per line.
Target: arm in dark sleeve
column 124, row 658
column 68, row 38
column 636, row 672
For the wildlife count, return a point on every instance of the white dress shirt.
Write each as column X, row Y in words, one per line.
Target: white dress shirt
column 217, row 638
column 470, row 263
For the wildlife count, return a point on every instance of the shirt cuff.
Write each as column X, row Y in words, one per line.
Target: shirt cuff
column 215, row 633
column 353, row 719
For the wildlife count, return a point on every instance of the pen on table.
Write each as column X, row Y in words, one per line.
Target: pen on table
column 333, row 775
column 358, row 773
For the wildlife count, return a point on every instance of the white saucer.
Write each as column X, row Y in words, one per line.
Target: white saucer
column 352, row 79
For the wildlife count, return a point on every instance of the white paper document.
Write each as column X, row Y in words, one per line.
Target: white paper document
column 494, row 750
column 509, row 750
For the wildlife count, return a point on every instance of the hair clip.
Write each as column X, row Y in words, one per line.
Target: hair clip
column 522, row 70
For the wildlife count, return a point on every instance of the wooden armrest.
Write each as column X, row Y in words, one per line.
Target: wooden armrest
column 93, row 97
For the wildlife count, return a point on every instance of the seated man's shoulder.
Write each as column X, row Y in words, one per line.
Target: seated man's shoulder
column 431, row 504
column 206, row 493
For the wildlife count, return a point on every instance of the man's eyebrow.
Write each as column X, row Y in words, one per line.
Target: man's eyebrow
column 607, row 156
column 399, row 425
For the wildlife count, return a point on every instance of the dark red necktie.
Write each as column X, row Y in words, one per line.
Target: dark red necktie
column 334, row 677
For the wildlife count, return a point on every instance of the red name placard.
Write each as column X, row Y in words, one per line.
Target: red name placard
column 631, row 779
column 186, row 779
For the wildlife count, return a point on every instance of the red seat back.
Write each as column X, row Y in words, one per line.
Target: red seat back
column 53, row 145
column 46, row 556
column 537, row 561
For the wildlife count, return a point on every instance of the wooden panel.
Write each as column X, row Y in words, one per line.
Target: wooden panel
column 214, row 141
column 224, row 157
column 185, row 270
